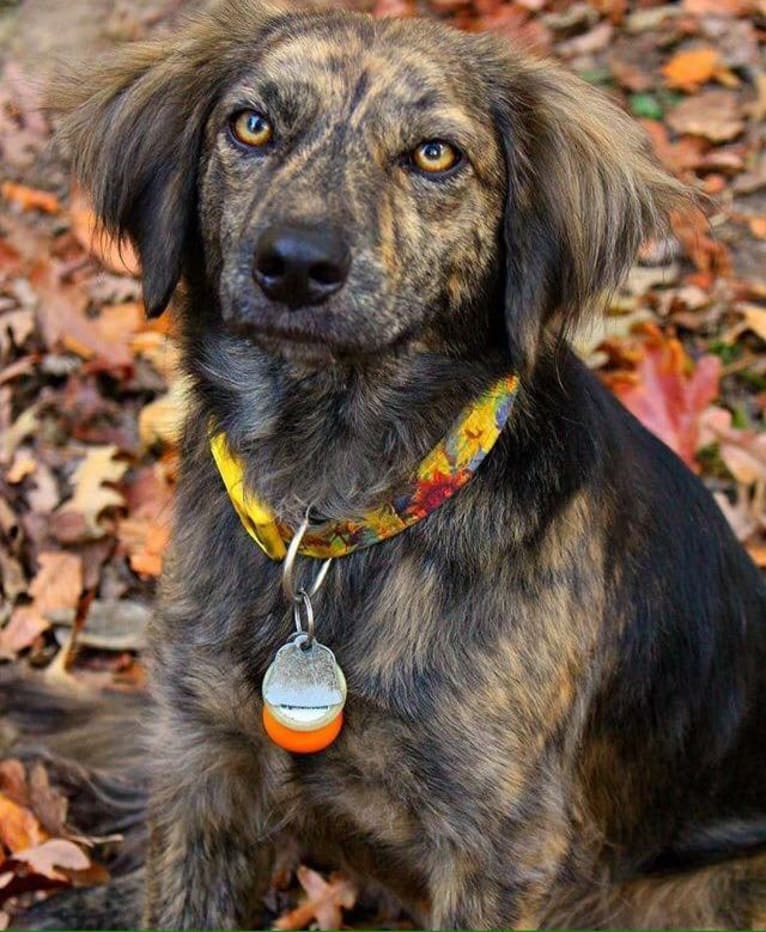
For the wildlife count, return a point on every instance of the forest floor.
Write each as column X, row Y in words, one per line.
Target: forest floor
column 91, row 396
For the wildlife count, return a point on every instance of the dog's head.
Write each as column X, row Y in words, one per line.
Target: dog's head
column 349, row 185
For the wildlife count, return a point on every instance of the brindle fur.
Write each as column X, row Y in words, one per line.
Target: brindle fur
column 556, row 680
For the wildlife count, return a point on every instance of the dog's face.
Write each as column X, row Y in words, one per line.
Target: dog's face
column 340, row 185
column 353, row 189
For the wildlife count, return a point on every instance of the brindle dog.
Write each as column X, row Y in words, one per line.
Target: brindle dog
column 557, row 681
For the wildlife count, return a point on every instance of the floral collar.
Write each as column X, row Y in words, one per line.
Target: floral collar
column 447, row 468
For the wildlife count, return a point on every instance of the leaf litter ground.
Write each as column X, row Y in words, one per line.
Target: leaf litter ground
column 91, row 396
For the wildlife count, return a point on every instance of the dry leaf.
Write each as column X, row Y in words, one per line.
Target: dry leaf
column 743, row 451
column 689, row 69
column 58, row 583
column 45, row 858
column 23, row 465
column 91, row 495
column 325, row 902
column 15, row 328
column 119, row 258
column 721, row 7
column 24, row 426
column 713, row 114
column 30, row 198
column 161, row 420
column 758, row 227
column 25, row 626
column 669, row 394
column 63, row 321
column 19, row 829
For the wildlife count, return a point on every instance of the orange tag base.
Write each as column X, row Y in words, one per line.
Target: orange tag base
column 301, row 742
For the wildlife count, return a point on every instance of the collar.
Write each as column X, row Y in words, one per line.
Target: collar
column 447, row 468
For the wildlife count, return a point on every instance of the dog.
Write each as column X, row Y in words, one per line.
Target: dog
column 556, row 671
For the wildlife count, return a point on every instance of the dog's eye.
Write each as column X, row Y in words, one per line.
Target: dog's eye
column 435, row 156
column 251, row 128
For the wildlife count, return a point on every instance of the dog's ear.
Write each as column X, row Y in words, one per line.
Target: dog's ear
column 583, row 193
column 133, row 128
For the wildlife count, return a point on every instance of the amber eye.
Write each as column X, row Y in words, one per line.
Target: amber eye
column 251, row 128
column 435, row 156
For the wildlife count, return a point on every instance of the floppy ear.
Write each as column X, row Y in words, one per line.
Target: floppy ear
column 583, row 193
column 133, row 129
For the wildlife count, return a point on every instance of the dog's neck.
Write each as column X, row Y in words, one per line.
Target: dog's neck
column 343, row 438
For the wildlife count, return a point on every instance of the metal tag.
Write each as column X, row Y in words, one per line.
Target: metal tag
column 304, row 688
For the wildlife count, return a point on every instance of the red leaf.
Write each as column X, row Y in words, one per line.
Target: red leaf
column 669, row 393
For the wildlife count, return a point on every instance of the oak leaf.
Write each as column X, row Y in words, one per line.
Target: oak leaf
column 91, row 495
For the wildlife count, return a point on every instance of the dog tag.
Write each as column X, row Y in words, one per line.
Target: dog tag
column 304, row 691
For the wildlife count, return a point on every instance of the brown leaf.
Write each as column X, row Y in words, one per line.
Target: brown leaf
column 113, row 255
column 758, row 227
column 25, row 626
column 160, row 421
column 61, row 312
column 30, row 198
column 58, row 583
column 19, row 829
column 713, row 114
column 91, row 495
column 721, row 7
column 743, row 451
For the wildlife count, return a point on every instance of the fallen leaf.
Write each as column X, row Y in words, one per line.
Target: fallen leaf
column 589, row 42
column 713, row 114
column 58, row 582
column 743, row 451
column 118, row 257
column 23, row 629
column 46, row 857
column 753, row 318
column 693, row 232
column 161, row 420
column 117, row 323
column 15, row 329
column 669, row 393
column 30, row 198
column 758, row 227
column 61, row 313
column 91, row 495
column 24, row 426
column 720, row 7
column 689, row 69
column 23, row 465
column 19, row 829
column 324, row 903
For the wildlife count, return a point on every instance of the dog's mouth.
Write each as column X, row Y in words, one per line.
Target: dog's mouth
column 337, row 331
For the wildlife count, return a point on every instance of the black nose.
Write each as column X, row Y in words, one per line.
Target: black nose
column 301, row 265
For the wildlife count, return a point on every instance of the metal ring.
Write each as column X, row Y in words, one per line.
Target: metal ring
column 303, row 600
column 288, row 584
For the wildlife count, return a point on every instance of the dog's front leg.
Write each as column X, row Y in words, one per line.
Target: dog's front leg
column 212, row 815
column 499, row 865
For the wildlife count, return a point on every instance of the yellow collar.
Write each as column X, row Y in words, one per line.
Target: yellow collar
column 445, row 469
